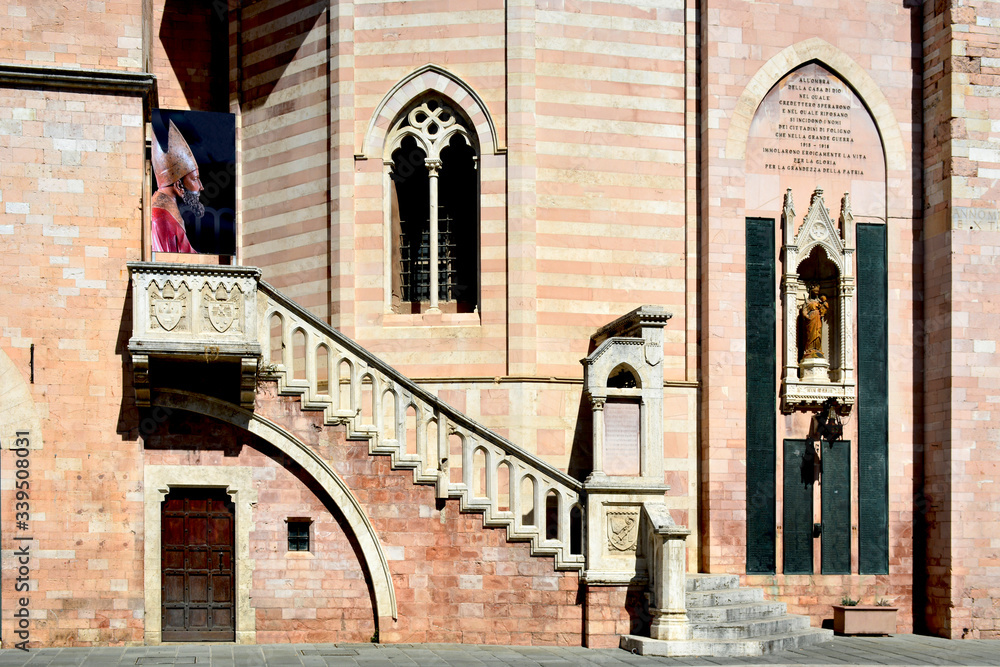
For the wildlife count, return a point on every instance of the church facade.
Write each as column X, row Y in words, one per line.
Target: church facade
column 506, row 276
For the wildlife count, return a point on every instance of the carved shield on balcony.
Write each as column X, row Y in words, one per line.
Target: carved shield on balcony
column 223, row 308
column 221, row 315
column 623, row 530
column 167, row 308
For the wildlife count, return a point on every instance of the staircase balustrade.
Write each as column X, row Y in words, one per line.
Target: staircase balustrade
column 371, row 399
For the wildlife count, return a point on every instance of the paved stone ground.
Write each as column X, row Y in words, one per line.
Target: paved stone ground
column 894, row 650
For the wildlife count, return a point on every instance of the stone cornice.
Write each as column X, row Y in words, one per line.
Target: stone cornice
column 71, row 79
column 195, row 269
column 631, row 323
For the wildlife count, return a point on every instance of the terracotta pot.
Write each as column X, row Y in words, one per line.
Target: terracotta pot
column 864, row 620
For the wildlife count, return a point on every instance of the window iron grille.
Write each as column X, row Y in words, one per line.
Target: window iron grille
column 415, row 261
column 298, row 536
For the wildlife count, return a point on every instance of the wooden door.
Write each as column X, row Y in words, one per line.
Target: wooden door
column 197, row 530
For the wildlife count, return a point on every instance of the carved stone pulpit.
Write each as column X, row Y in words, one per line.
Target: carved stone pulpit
column 623, row 381
column 192, row 312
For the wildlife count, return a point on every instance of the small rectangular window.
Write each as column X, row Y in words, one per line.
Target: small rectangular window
column 298, row 534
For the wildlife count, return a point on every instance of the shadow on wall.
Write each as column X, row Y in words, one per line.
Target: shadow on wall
column 581, row 456
column 272, row 36
column 128, row 413
column 195, row 37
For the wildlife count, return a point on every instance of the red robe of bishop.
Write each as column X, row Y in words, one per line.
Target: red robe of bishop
column 168, row 230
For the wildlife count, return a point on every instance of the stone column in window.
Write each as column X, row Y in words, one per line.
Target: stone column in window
column 433, row 167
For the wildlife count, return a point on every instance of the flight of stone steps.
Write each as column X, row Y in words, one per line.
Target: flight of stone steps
column 728, row 621
column 511, row 487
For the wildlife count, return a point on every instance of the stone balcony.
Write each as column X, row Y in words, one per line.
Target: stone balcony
column 184, row 313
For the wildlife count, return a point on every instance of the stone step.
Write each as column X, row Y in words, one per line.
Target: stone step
column 736, row 612
column 711, row 582
column 724, row 597
column 729, row 648
column 780, row 625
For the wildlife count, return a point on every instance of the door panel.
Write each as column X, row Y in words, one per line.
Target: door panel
column 197, row 560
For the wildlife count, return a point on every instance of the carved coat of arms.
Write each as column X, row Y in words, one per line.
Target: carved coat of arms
column 654, row 353
column 623, row 530
column 167, row 307
column 224, row 309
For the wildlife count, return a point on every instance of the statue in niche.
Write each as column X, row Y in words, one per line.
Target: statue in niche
column 813, row 311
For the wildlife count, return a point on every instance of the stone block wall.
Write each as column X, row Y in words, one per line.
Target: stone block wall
column 747, row 48
column 98, row 34
column 315, row 596
column 582, row 207
column 71, row 197
column 962, row 231
column 390, row 43
column 285, row 117
column 580, row 210
column 614, row 182
column 455, row 580
column 189, row 54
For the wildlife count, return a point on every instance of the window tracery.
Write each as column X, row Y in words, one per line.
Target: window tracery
column 434, row 217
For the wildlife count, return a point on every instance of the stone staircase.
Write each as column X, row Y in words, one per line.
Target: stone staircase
column 728, row 621
column 442, row 446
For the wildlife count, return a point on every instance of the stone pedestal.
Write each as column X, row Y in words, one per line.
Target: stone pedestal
column 815, row 369
column 623, row 379
column 666, row 558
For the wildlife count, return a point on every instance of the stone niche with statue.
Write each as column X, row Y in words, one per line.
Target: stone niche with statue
column 818, row 302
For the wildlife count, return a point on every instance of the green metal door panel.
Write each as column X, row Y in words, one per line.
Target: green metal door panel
column 797, row 507
column 873, row 401
column 835, row 491
column 761, row 362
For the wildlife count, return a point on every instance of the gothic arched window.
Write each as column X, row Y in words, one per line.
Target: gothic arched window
column 434, row 203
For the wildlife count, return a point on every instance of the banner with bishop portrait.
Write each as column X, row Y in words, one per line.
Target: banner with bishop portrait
column 194, row 182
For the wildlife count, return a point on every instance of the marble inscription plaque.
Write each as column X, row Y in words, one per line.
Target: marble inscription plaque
column 621, row 438
column 813, row 133
column 811, row 130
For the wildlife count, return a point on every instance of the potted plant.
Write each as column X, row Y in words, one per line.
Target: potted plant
column 851, row 618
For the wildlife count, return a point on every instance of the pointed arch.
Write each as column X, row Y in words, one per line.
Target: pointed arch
column 430, row 78
column 826, row 54
column 340, row 494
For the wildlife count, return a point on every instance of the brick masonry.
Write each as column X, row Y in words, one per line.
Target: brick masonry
column 72, row 196
column 611, row 184
column 455, row 580
column 961, row 71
